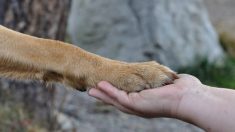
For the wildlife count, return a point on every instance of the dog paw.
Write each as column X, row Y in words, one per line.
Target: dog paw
column 133, row 77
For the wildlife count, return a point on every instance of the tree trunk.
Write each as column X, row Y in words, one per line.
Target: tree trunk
column 176, row 33
column 41, row 18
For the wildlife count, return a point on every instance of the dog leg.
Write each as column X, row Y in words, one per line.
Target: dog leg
column 26, row 57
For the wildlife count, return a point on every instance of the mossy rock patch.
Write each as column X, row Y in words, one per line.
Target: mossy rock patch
column 226, row 32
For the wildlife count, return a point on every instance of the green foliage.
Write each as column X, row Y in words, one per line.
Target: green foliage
column 219, row 76
column 227, row 41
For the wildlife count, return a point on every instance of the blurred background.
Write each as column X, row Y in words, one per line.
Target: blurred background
column 190, row 36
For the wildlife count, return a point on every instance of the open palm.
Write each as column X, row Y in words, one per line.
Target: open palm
column 157, row 102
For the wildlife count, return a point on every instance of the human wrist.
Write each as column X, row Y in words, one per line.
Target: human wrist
column 202, row 106
column 192, row 103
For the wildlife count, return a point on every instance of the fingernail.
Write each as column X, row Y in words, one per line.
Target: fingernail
column 90, row 92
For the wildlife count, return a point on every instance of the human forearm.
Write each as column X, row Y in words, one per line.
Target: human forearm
column 209, row 108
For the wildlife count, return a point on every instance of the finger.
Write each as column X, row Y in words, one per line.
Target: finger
column 103, row 97
column 155, row 92
column 99, row 95
column 120, row 96
column 187, row 78
column 108, row 89
column 133, row 101
column 183, row 75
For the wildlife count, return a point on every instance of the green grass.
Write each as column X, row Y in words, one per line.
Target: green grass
column 209, row 74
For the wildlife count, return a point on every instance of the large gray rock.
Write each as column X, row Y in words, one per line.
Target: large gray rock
column 176, row 33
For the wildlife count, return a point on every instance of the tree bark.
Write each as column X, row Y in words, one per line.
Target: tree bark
column 41, row 18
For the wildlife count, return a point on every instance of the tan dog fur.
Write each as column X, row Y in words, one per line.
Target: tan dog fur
column 26, row 57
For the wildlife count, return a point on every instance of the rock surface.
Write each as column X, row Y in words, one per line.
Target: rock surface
column 222, row 16
column 173, row 32
column 221, row 11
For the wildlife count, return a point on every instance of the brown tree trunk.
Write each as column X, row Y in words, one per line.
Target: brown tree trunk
column 41, row 18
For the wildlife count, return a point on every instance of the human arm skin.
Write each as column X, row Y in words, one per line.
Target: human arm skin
column 212, row 109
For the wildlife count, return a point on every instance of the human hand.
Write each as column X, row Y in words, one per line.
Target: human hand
column 158, row 102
